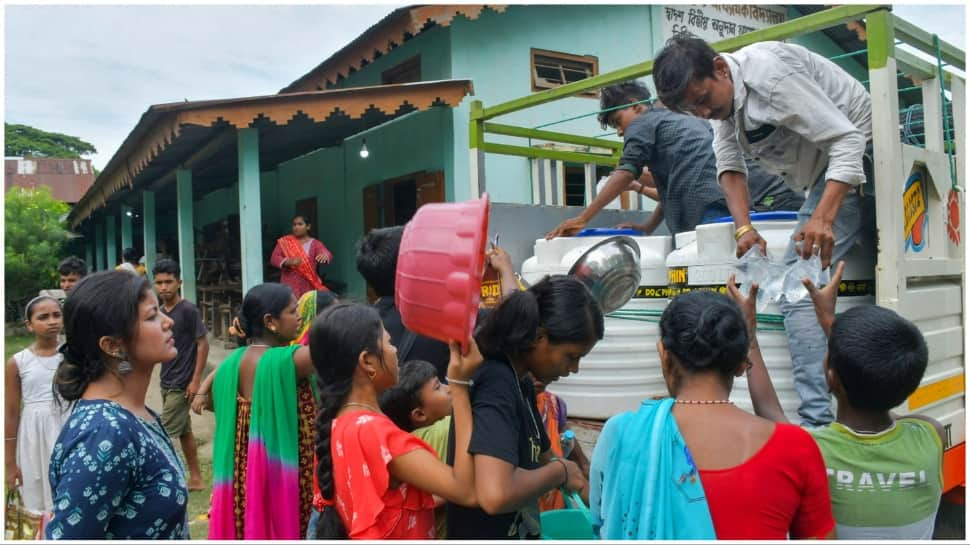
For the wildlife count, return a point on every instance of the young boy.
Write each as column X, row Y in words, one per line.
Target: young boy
column 70, row 270
column 181, row 377
column 421, row 404
column 885, row 472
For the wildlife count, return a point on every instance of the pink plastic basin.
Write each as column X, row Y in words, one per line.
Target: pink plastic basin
column 439, row 269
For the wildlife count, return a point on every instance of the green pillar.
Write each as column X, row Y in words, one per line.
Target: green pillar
column 250, row 212
column 111, row 239
column 148, row 225
column 89, row 243
column 126, row 240
column 99, row 250
column 183, row 180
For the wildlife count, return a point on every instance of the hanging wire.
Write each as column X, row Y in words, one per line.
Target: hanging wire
column 580, row 116
column 846, row 55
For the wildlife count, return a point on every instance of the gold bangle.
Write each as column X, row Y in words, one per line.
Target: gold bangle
column 743, row 230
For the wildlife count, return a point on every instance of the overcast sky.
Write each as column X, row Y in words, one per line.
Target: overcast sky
column 91, row 71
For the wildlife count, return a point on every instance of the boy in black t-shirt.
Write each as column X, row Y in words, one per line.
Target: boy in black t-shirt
column 182, row 376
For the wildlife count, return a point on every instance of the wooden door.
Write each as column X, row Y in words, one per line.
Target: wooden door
column 372, row 207
column 430, row 187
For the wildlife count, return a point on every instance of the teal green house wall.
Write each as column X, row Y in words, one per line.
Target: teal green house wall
column 494, row 51
column 337, row 176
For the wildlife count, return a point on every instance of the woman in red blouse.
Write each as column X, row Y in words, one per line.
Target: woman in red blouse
column 377, row 480
column 761, row 480
column 297, row 255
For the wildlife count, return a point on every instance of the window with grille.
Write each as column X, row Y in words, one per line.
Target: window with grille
column 551, row 69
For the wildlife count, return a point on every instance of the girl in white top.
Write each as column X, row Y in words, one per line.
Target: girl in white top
column 31, row 430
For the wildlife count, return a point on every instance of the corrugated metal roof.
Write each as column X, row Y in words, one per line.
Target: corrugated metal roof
column 68, row 179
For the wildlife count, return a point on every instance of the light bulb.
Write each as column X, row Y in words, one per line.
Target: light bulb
column 363, row 149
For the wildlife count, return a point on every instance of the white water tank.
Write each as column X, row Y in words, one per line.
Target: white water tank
column 708, row 260
column 615, row 375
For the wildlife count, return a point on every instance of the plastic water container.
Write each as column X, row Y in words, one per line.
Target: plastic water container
column 615, row 376
column 567, row 441
column 439, row 269
column 706, row 262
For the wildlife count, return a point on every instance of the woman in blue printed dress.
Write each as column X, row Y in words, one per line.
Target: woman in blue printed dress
column 114, row 472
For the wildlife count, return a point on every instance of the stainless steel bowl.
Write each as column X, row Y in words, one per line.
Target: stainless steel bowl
column 611, row 271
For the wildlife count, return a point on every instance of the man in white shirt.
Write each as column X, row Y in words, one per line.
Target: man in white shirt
column 800, row 116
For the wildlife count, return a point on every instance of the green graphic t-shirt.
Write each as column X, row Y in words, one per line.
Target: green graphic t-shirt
column 885, row 485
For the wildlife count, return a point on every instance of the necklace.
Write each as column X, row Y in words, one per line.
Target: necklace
column 365, row 405
column 258, row 345
column 704, row 401
column 525, row 403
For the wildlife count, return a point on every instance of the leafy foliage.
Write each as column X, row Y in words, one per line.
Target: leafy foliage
column 35, row 231
column 24, row 140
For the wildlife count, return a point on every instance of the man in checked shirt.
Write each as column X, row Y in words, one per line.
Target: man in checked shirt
column 798, row 115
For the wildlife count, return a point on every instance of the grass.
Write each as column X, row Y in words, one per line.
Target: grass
column 15, row 343
column 199, row 503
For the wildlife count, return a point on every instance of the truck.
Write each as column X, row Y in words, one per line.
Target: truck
column 919, row 158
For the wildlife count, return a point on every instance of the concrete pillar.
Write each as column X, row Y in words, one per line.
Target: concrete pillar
column 126, row 218
column 250, row 211
column 99, row 248
column 111, row 237
column 148, row 225
column 183, row 180
column 89, row 249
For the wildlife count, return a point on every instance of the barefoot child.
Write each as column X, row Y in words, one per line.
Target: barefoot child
column 31, row 431
column 181, row 376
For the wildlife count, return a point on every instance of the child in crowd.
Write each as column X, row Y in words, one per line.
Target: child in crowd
column 554, row 414
column 885, row 472
column 377, row 480
column 377, row 262
column 544, row 331
column 421, row 404
column 70, row 270
column 32, row 418
column 114, row 473
column 182, row 376
column 129, row 261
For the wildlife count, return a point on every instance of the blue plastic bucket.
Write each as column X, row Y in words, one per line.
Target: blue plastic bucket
column 783, row 215
column 608, row 232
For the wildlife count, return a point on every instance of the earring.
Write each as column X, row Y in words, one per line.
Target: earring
column 371, row 375
column 124, row 366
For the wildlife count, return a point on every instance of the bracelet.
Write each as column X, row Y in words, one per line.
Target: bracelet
column 201, row 395
column 565, row 470
column 743, row 230
column 14, row 438
column 467, row 383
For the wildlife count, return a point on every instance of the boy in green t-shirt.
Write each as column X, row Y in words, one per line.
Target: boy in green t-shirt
column 421, row 404
column 885, row 472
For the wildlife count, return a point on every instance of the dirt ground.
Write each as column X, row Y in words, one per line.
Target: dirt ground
column 951, row 519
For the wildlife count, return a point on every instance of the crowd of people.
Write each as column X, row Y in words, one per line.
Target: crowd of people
column 333, row 420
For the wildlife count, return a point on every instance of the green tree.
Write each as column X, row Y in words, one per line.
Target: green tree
column 23, row 140
column 35, row 231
